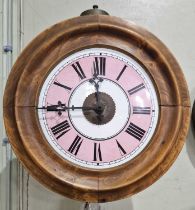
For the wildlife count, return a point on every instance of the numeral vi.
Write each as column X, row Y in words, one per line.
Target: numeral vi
column 97, row 152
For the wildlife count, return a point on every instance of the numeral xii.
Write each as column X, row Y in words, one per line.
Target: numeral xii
column 99, row 66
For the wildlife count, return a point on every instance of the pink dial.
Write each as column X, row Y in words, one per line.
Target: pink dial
column 98, row 108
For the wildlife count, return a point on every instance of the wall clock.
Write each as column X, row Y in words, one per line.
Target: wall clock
column 96, row 108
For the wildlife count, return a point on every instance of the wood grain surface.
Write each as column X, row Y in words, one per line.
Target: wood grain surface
column 22, row 92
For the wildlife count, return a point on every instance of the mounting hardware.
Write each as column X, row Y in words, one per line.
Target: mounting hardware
column 5, row 141
column 94, row 11
column 7, row 48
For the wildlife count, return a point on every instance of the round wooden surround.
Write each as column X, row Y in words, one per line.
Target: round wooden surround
column 24, row 132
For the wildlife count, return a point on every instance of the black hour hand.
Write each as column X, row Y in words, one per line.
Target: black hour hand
column 63, row 108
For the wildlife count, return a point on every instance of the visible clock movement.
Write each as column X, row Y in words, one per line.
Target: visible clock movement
column 96, row 108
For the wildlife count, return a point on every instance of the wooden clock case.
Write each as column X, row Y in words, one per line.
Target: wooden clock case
column 24, row 132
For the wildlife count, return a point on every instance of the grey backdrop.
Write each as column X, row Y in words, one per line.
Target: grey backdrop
column 173, row 21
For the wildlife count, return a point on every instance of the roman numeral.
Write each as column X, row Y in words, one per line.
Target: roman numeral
column 79, row 70
column 122, row 71
column 135, row 131
column 99, row 66
column 61, row 85
column 60, row 129
column 75, row 146
column 121, row 149
column 136, row 89
column 97, row 152
column 141, row 110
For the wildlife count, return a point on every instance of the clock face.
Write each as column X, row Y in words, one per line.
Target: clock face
column 98, row 108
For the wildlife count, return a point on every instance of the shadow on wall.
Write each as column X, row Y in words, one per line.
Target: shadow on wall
column 29, row 194
column 190, row 143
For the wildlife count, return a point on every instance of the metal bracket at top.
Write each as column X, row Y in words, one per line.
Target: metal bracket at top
column 94, row 11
